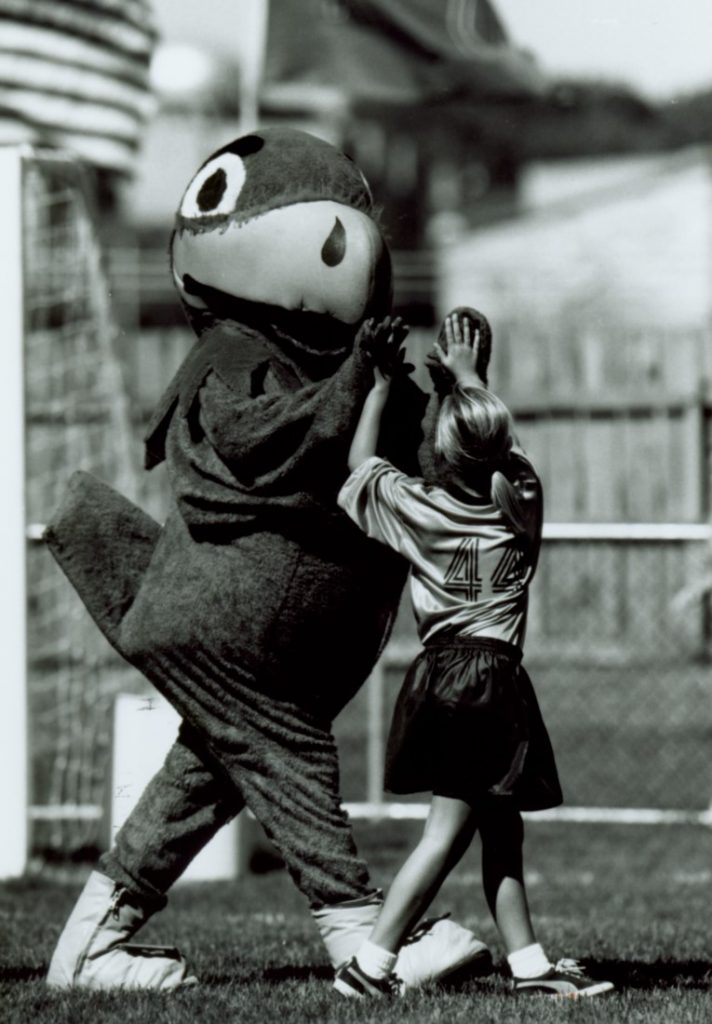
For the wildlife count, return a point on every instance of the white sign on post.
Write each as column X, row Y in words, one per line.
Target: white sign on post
column 144, row 730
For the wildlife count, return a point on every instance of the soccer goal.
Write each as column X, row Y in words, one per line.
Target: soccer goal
column 63, row 407
column 75, row 752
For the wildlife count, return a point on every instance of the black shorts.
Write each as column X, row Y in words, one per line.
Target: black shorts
column 467, row 725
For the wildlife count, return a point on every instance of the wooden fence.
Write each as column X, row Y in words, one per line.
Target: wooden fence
column 622, row 436
column 616, row 421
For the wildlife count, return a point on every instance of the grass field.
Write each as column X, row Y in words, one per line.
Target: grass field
column 634, row 902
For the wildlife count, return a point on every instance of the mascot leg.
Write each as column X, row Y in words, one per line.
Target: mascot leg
column 182, row 807
column 292, row 788
column 435, row 951
column 186, row 802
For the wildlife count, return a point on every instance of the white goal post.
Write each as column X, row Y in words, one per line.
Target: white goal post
column 62, row 408
column 13, row 711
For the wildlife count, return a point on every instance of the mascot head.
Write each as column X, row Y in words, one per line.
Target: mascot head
column 277, row 227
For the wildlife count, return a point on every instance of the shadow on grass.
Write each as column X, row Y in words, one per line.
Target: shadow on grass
column 298, row 972
column 22, row 973
column 294, row 972
column 270, row 975
column 658, row 974
column 625, row 974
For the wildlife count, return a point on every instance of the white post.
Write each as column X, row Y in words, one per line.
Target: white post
column 13, row 692
column 375, row 741
column 251, row 41
column 144, row 729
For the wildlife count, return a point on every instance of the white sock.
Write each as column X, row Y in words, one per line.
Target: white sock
column 375, row 961
column 529, row 962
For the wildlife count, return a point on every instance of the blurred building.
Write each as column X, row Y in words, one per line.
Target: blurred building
column 406, row 88
column 75, row 77
column 615, row 242
column 600, row 300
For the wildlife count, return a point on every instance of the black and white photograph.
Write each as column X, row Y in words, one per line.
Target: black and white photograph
column 356, row 546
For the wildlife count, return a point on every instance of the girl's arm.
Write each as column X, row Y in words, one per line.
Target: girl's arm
column 386, row 346
column 365, row 439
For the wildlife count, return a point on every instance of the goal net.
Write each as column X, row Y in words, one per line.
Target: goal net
column 75, row 417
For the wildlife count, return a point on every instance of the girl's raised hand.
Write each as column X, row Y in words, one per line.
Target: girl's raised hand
column 463, row 345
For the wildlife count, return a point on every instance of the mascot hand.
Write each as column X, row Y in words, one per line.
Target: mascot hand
column 382, row 341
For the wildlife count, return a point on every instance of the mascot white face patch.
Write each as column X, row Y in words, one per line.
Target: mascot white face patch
column 216, row 188
column 316, row 256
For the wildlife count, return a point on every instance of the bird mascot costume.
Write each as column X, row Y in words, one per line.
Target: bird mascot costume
column 258, row 609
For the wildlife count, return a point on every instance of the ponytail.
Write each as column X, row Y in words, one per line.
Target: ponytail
column 504, row 497
column 516, row 492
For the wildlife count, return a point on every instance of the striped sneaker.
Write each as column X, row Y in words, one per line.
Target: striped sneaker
column 352, row 982
column 566, row 978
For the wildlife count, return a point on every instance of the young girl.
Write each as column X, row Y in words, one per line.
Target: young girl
column 467, row 725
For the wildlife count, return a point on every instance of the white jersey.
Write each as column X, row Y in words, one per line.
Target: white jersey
column 470, row 571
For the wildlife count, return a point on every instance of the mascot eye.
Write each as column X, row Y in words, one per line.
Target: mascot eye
column 212, row 190
column 334, row 248
column 215, row 188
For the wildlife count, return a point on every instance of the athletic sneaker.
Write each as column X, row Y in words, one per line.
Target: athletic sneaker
column 354, row 983
column 566, row 978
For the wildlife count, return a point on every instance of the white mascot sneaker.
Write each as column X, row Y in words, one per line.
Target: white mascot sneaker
column 439, row 949
column 92, row 951
column 436, row 950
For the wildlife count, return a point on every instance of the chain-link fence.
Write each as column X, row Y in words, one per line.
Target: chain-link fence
column 624, row 670
column 629, row 709
column 76, row 417
column 621, row 668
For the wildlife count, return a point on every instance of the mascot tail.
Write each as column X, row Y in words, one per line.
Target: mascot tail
column 103, row 543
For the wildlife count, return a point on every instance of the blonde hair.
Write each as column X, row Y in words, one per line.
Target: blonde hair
column 473, row 435
column 474, row 429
